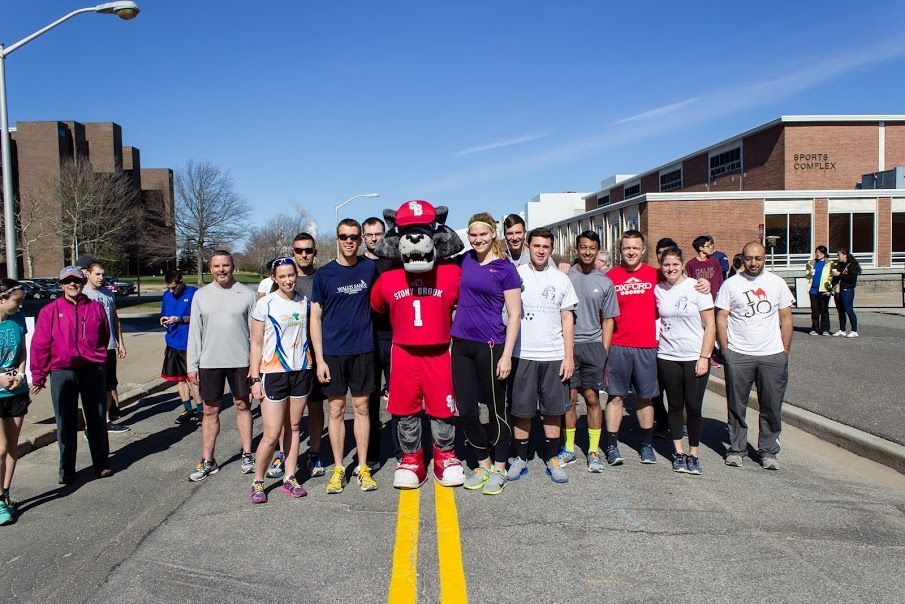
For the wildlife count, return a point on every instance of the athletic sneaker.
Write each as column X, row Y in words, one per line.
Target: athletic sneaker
column 7, row 513
column 813, row 332
column 257, row 492
column 769, row 463
column 734, row 461
column 825, row 333
column 315, row 465
column 566, row 457
column 117, row 428
column 694, row 466
column 477, row 479
column 839, row 333
column 556, row 472
column 186, row 417
column 276, row 469
column 292, row 488
column 595, row 462
column 613, row 456
column 518, row 467
column 248, row 463
column 337, row 481
column 114, row 413
column 647, row 454
column 365, row 481
column 496, row 483
column 374, row 465
column 852, row 334
column 679, row 463
column 205, row 468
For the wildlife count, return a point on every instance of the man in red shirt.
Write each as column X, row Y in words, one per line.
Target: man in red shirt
column 419, row 300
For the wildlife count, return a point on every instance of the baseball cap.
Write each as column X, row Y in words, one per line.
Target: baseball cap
column 71, row 271
column 415, row 212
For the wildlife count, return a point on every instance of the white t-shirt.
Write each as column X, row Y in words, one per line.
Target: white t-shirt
column 265, row 286
column 681, row 330
column 286, row 346
column 754, row 305
column 545, row 294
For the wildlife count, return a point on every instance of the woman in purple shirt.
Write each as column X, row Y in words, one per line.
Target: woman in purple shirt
column 482, row 350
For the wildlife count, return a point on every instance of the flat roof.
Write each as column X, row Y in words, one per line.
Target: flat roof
column 783, row 119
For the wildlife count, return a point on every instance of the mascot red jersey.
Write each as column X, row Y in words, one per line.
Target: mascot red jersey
column 419, row 299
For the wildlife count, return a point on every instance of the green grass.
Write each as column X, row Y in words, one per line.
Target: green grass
column 191, row 279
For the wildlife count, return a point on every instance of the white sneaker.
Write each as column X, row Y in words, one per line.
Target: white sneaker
column 840, row 333
column 813, row 333
column 852, row 334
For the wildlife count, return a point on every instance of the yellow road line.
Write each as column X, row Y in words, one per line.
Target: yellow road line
column 404, row 581
column 449, row 548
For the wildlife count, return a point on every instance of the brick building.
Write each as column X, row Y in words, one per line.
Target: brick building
column 41, row 148
column 798, row 178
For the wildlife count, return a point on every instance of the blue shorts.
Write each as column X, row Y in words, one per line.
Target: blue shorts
column 633, row 369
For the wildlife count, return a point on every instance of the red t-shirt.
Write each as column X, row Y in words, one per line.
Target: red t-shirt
column 419, row 304
column 636, row 325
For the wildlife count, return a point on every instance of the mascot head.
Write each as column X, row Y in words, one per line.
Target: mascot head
column 417, row 236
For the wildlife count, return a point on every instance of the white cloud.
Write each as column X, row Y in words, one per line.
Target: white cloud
column 500, row 144
column 658, row 112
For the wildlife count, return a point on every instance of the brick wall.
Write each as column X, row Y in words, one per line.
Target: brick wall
column 732, row 223
column 884, row 231
column 821, row 218
column 764, row 160
column 105, row 146
column 651, row 183
column 695, row 173
column 895, row 145
column 851, row 151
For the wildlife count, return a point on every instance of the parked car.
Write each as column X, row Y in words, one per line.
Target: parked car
column 32, row 290
column 119, row 288
column 47, row 289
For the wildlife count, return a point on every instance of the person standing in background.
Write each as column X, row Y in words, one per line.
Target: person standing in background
column 818, row 272
column 845, row 278
column 175, row 314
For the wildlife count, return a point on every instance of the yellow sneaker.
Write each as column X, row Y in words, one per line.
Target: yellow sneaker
column 337, row 481
column 364, row 479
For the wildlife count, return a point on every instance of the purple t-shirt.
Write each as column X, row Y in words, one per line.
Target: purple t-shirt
column 709, row 269
column 479, row 317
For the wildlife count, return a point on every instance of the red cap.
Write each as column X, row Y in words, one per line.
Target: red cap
column 415, row 212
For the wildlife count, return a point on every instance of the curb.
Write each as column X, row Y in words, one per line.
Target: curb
column 860, row 443
column 130, row 397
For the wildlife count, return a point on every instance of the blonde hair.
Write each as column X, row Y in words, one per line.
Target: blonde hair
column 496, row 247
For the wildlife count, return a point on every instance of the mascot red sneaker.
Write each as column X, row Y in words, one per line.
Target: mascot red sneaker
column 419, row 299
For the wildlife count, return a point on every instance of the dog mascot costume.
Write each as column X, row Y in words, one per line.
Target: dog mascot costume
column 419, row 299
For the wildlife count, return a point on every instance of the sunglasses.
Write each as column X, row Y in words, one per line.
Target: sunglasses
column 72, row 282
column 344, row 237
column 303, row 250
column 281, row 262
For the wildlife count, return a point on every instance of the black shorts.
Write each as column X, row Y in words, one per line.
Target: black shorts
column 350, row 372
column 317, row 393
column 590, row 363
column 280, row 386
column 536, row 385
column 175, row 368
column 211, row 383
column 15, row 405
column 112, row 383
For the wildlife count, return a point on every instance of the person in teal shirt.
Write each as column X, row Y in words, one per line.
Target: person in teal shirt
column 14, row 399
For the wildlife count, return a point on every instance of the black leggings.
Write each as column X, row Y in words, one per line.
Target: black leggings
column 684, row 390
column 474, row 381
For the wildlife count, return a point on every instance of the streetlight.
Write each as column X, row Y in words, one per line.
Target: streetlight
column 340, row 206
column 124, row 10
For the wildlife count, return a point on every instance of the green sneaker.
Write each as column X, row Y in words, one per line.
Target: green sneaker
column 496, row 483
column 7, row 511
column 477, row 479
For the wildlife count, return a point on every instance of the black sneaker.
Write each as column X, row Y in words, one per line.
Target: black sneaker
column 679, row 463
column 613, row 456
column 117, row 428
column 186, row 417
column 114, row 413
column 694, row 466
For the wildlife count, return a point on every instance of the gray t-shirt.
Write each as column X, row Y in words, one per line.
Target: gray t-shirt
column 596, row 301
column 106, row 299
column 218, row 330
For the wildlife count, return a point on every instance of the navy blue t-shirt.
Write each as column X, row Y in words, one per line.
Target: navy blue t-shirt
column 343, row 293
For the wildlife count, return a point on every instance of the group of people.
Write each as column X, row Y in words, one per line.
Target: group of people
column 835, row 279
column 526, row 339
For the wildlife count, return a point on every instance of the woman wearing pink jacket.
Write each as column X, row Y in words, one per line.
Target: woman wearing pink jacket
column 70, row 346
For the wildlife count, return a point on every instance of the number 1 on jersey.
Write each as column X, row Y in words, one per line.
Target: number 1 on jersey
column 416, row 304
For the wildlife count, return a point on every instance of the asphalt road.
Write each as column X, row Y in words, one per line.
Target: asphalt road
column 829, row 526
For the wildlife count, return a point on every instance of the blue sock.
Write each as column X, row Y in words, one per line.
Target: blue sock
column 199, row 409
column 187, row 406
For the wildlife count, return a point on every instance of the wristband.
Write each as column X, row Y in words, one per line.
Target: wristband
column 703, row 357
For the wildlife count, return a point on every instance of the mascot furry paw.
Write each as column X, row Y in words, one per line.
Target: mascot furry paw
column 419, row 299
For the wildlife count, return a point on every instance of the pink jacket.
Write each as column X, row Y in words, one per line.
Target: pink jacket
column 68, row 336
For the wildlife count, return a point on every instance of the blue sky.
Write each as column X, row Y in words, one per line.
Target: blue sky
column 475, row 105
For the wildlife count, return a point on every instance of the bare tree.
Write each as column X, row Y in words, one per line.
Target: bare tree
column 274, row 238
column 31, row 218
column 208, row 209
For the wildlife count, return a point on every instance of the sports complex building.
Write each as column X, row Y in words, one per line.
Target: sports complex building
column 806, row 180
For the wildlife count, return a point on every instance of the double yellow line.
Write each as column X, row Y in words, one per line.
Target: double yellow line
column 404, row 580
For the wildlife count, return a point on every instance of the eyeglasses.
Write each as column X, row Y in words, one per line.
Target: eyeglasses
column 72, row 282
column 281, row 262
column 303, row 250
column 344, row 237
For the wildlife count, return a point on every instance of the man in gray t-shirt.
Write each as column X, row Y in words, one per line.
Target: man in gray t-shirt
column 594, row 314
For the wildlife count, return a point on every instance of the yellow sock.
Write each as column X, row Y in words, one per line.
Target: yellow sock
column 570, row 440
column 594, row 439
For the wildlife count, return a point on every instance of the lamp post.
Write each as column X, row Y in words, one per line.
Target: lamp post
column 340, row 206
column 124, row 10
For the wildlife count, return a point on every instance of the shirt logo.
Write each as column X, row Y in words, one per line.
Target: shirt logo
column 757, row 303
column 416, row 208
column 632, row 286
column 549, row 293
column 355, row 288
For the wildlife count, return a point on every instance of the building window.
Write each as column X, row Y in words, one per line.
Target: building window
column 854, row 232
column 603, row 200
column 670, row 181
column 898, row 236
column 793, row 246
column 631, row 190
column 725, row 162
